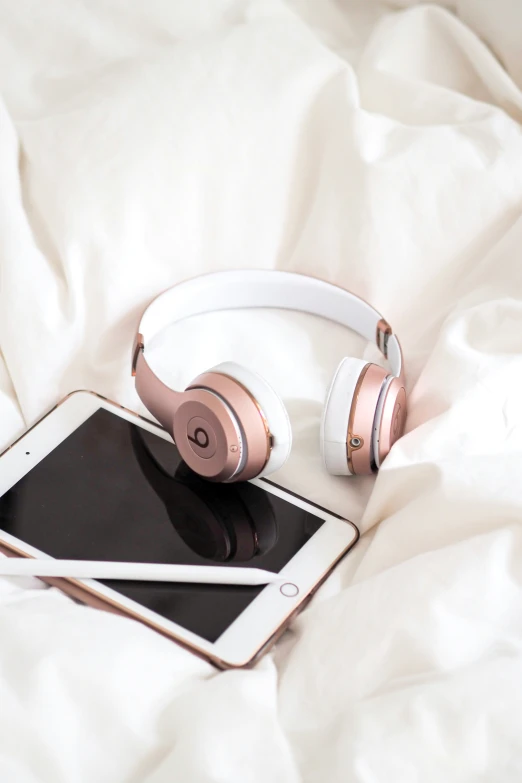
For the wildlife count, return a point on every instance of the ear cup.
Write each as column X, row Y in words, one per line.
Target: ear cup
column 271, row 408
column 334, row 425
column 208, row 434
column 378, row 419
column 349, row 417
column 390, row 418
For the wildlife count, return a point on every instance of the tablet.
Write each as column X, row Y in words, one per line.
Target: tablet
column 95, row 481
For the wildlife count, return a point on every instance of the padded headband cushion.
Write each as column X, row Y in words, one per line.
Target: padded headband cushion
column 272, row 408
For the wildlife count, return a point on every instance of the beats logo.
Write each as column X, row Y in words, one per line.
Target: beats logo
column 201, row 437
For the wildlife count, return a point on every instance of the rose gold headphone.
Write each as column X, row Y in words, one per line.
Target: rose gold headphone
column 230, row 425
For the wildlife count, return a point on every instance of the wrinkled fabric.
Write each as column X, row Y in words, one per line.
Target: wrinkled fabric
column 374, row 145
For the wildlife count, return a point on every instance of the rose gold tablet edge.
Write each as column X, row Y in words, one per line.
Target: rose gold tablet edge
column 91, row 597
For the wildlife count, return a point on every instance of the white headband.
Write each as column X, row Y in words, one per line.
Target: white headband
column 285, row 290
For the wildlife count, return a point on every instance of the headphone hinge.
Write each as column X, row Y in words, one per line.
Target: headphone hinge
column 383, row 334
column 136, row 348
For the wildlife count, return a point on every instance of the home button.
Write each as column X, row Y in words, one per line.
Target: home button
column 289, row 590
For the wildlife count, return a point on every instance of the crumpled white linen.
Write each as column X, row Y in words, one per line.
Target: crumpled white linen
column 374, row 145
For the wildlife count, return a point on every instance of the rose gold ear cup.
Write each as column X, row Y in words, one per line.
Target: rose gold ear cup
column 231, row 402
column 208, row 436
column 359, row 449
column 393, row 417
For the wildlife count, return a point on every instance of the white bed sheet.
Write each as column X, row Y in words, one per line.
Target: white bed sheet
column 378, row 146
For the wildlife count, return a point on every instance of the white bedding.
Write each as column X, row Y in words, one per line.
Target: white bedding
column 378, row 146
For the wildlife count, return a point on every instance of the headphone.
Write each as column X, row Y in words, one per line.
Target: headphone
column 219, row 522
column 230, row 425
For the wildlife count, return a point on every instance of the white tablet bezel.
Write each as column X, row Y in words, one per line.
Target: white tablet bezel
column 259, row 623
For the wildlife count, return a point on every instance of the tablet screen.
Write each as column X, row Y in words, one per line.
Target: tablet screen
column 114, row 491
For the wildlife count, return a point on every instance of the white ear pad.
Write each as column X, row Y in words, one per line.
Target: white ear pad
column 273, row 410
column 334, row 426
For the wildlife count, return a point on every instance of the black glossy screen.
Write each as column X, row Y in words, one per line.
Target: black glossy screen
column 113, row 491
